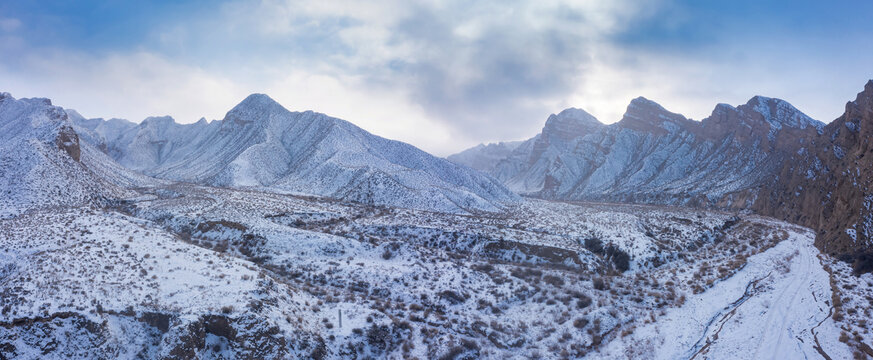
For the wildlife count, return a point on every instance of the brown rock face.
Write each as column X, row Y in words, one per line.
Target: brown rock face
column 772, row 124
column 68, row 141
column 827, row 184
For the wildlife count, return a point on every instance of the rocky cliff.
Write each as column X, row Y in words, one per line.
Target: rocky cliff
column 826, row 184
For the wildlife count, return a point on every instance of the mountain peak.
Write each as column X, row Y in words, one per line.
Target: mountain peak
column 647, row 115
column 255, row 108
column 258, row 98
column 779, row 113
column 643, row 102
column 257, row 101
column 867, row 93
column 570, row 123
column 762, row 99
column 577, row 114
column 644, row 108
column 863, row 101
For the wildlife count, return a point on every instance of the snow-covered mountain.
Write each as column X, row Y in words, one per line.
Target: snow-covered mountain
column 99, row 131
column 260, row 144
column 656, row 156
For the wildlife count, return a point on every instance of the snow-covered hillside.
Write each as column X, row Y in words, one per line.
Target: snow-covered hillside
column 260, row 144
column 42, row 162
column 80, row 284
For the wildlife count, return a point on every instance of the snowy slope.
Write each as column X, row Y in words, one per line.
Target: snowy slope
column 656, row 156
column 260, row 144
column 82, row 284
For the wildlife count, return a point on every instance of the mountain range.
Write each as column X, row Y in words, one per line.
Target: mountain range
column 653, row 155
column 765, row 155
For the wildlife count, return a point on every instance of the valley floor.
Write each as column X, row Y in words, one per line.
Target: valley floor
column 194, row 271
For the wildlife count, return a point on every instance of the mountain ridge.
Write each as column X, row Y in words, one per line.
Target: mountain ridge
column 605, row 164
column 261, row 144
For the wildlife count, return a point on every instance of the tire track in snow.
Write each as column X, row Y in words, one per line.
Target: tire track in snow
column 778, row 323
column 751, row 322
column 778, row 315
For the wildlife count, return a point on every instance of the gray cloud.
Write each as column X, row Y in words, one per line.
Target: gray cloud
column 500, row 80
column 442, row 75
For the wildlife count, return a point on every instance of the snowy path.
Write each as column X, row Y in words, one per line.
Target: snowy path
column 782, row 331
column 759, row 313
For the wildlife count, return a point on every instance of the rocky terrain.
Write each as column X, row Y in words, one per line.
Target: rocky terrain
column 828, row 185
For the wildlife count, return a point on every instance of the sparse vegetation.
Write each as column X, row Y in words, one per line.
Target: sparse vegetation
column 428, row 283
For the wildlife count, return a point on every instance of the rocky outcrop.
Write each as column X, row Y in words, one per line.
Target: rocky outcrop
column 246, row 337
column 68, row 141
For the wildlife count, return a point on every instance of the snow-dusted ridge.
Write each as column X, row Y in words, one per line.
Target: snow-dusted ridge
column 655, row 156
column 260, row 144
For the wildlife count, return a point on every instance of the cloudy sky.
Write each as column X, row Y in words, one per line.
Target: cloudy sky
column 442, row 75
